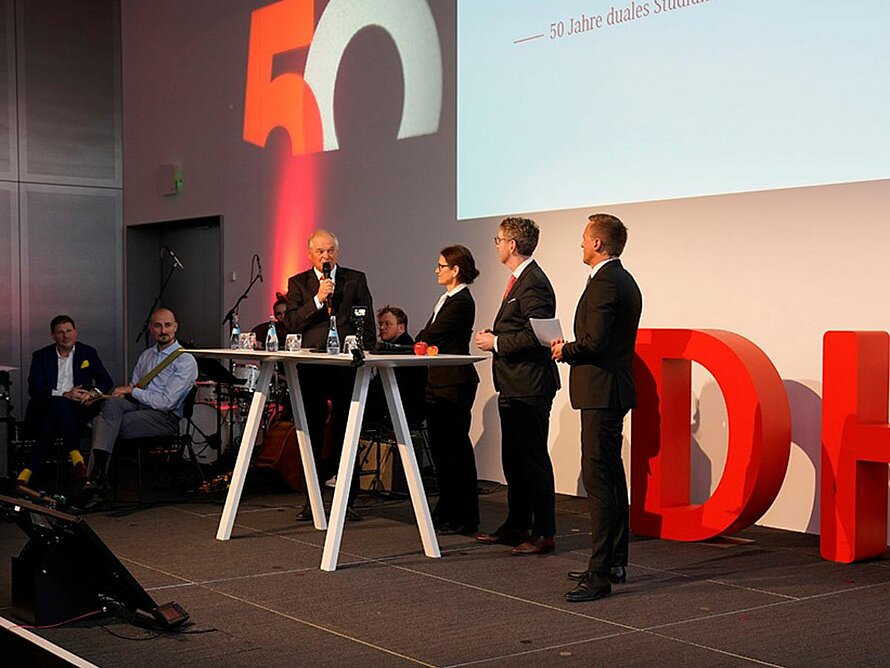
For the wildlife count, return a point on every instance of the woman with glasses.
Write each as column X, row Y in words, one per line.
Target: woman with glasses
column 450, row 392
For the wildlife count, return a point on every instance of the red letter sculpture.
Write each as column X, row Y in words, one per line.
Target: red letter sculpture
column 855, row 445
column 759, row 423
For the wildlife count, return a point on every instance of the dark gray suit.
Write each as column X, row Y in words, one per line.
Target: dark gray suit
column 601, row 386
column 320, row 384
column 526, row 378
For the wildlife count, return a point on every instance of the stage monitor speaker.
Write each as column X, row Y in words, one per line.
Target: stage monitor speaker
column 65, row 571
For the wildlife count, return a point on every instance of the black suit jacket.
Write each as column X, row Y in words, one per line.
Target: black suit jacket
column 522, row 367
column 411, row 381
column 89, row 372
column 601, row 356
column 351, row 289
column 451, row 332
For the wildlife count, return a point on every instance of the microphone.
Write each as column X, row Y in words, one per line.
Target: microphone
column 326, row 273
column 176, row 262
column 259, row 268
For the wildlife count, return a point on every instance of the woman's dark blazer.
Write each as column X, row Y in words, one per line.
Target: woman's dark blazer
column 451, row 332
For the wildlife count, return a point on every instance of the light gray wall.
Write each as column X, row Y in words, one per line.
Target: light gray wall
column 60, row 178
column 778, row 267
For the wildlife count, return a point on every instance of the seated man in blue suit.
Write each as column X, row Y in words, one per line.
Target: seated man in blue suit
column 64, row 376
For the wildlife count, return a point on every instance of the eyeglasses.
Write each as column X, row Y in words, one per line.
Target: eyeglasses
column 440, row 267
column 498, row 240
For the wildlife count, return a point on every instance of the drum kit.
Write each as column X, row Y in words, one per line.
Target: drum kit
column 222, row 403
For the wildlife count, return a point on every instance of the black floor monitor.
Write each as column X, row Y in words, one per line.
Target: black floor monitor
column 65, row 570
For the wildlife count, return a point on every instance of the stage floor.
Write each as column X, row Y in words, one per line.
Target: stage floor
column 261, row 600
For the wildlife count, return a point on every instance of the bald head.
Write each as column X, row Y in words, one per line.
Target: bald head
column 163, row 327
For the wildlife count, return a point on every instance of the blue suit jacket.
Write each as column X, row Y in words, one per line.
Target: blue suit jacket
column 89, row 372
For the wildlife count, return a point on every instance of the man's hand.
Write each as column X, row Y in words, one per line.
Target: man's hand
column 485, row 340
column 92, row 396
column 76, row 394
column 556, row 349
column 122, row 391
column 325, row 288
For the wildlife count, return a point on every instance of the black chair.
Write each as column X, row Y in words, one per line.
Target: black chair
column 171, row 447
column 21, row 439
column 377, row 455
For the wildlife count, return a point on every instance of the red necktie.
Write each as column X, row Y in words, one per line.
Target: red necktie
column 509, row 286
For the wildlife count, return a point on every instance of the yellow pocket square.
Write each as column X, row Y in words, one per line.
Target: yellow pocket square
column 84, row 364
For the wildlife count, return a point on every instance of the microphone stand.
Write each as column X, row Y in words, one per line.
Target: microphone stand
column 157, row 301
column 234, row 310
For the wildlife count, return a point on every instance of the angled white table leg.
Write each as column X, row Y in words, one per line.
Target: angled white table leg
column 313, row 489
column 347, row 465
column 248, row 439
column 409, row 462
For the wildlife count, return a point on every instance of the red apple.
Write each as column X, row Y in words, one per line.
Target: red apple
column 420, row 348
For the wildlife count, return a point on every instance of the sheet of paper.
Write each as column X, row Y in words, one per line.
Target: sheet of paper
column 546, row 329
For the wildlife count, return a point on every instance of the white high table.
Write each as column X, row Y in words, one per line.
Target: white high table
column 385, row 364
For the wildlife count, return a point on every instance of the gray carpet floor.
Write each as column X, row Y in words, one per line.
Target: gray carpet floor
column 261, row 600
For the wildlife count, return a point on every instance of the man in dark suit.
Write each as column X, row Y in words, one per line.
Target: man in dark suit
column 62, row 379
column 314, row 296
column 526, row 379
column 392, row 326
column 601, row 386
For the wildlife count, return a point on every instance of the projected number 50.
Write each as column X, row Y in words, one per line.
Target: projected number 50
column 304, row 104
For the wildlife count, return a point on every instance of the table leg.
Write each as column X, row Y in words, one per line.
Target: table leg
column 313, row 489
column 409, row 462
column 347, row 465
column 248, row 439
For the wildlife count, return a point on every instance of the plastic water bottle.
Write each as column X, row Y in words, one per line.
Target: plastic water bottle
column 333, row 338
column 272, row 337
column 236, row 332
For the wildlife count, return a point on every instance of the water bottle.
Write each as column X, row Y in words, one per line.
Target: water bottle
column 333, row 338
column 236, row 332
column 272, row 337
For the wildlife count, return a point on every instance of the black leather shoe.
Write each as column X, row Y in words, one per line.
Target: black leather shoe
column 502, row 536
column 305, row 514
column 352, row 515
column 591, row 588
column 92, row 497
column 447, row 529
column 618, row 575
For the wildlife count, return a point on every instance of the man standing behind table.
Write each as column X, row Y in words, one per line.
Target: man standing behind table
column 62, row 379
column 313, row 296
column 526, row 379
column 151, row 405
column 601, row 386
